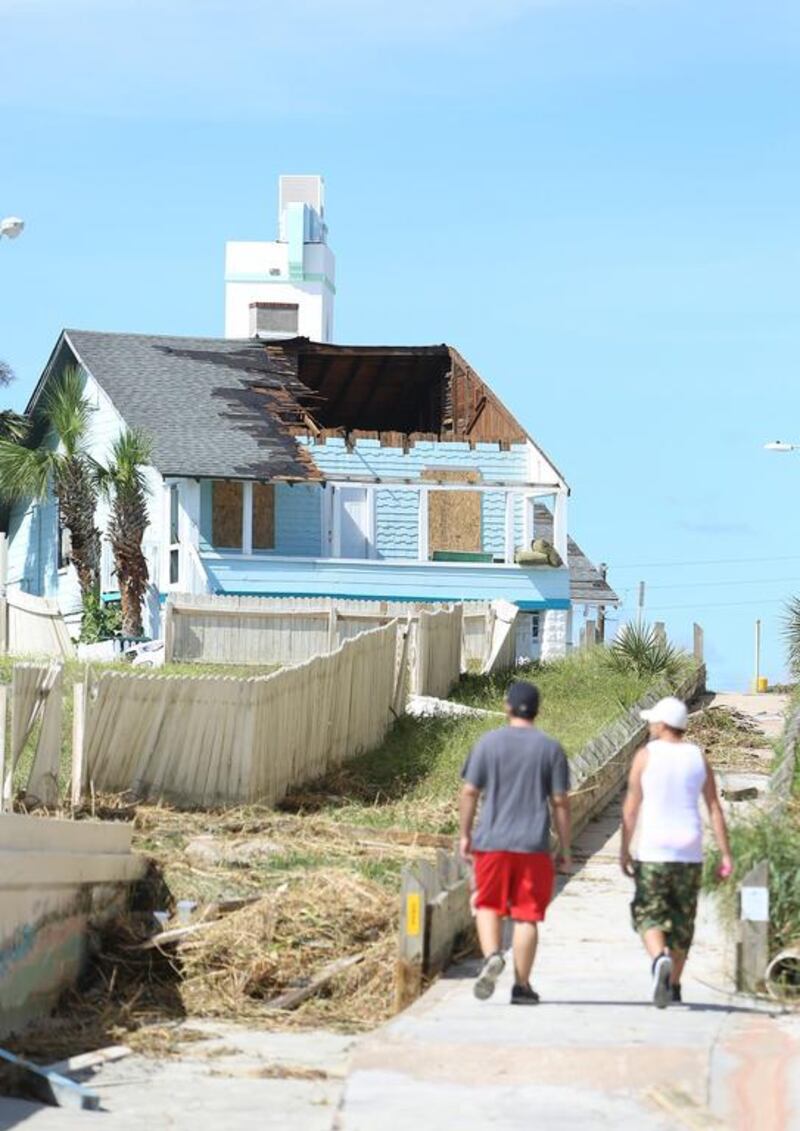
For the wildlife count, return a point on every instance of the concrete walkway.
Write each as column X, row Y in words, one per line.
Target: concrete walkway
column 595, row 1054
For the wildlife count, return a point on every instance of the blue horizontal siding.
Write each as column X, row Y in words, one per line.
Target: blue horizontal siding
column 369, row 458
column 538, row 587
column 397, row 525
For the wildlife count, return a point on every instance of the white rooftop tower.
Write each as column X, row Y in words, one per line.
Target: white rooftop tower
column 284, row 287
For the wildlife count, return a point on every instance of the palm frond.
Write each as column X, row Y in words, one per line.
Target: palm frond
column 67, row 411
column 13, row 426
column 130, row 453
column 25, row 473
column 790, row 631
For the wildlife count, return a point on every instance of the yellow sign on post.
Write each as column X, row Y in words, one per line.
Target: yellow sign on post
column 413, row 916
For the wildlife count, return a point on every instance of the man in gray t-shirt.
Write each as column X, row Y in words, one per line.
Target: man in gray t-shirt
column 519, row 774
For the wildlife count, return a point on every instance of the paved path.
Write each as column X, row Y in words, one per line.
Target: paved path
column 595, row 1054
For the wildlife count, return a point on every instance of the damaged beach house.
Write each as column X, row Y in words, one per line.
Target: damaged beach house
column 286, row 465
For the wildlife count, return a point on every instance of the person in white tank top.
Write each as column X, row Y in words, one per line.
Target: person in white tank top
column 668, row 778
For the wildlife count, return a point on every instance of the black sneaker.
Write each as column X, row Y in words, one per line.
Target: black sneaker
column 675, row 992
column 662, row 968
column 486, row 981
column 524, row 995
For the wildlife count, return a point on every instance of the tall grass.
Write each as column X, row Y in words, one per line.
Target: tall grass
column 412, row 780
column 776, row 840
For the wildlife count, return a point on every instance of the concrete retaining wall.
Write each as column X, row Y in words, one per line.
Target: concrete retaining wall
column 56, row 879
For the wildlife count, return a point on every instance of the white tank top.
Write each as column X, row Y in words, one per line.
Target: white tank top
column 670, row 826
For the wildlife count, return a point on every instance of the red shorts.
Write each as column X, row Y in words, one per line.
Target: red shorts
column 515, row 884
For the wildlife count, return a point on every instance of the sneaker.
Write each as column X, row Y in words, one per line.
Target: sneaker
column 662, row 968
column 675, row 992
column 524, row 995
column 487, row 979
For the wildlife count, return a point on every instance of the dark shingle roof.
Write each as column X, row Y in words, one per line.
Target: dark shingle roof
column 585, row 581
column 193, row 399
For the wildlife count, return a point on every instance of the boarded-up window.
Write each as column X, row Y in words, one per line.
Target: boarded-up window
column 263, row 516
column 454, row 517
column 226, row 515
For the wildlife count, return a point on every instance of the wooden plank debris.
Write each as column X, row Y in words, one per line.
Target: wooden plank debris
column 49, row 1087
column 87, row 1060
column 295, row 997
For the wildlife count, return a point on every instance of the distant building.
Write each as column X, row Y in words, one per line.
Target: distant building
column 284, row 288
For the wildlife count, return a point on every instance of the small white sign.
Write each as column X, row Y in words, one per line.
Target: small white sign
column 755, row 904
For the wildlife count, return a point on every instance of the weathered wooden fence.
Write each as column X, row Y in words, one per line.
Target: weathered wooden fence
column 436, row 652
column 288, row 630
column 33, row 626
column 214, row 741
column 36, row 695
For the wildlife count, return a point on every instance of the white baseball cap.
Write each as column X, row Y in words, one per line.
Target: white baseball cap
column 670, row 711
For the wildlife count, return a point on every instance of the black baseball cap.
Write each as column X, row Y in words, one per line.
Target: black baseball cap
column 523, row 699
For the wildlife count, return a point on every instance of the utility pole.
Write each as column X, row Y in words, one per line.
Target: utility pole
column 641, row 601
column 757, row 656
column 601, row 610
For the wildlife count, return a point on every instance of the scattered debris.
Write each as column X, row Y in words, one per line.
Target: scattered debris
column 87, row 1060
column 30, row 1081
column 428, row 707
column 746, row 793
column 731, row 740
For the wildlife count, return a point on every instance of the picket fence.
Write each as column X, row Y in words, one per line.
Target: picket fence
column 436, row 652
column 287, row 630
column 36, row 694
column 33, row 626
column 206, row 741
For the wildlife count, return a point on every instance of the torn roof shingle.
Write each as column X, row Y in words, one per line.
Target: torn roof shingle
column 193, row 397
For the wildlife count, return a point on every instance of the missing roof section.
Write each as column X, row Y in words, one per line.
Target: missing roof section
column 389, row 392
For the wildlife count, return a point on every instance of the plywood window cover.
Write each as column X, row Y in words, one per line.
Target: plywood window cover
column 226, row 514
column 454, row 517
column 263, row 516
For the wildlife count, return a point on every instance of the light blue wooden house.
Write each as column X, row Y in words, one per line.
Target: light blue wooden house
column 298, row 468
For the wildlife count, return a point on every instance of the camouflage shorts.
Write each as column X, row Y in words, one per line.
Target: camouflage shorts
column 666, row 898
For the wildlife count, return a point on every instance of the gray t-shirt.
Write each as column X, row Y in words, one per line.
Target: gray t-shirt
column 517, row 770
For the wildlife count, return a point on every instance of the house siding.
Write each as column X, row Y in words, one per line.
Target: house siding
column 397, row 525
column 370, row 458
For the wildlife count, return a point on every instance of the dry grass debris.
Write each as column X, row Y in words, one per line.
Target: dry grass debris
column 731, row 740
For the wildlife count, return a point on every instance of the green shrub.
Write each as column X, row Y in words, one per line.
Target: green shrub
column 640, row 649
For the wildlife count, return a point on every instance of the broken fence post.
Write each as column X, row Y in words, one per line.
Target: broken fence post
column 78, row 745
column 6, row 771
column 753, row 949
column 698, row 643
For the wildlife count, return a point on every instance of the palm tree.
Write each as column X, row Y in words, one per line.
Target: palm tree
column 52, row 453
column 123, row 483
column 12, row 425
column 791, row 635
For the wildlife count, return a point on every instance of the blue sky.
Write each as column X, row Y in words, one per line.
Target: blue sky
column 594, row 200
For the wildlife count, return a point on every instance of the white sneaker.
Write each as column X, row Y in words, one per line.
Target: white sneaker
column 486, row 981
column 662, row 970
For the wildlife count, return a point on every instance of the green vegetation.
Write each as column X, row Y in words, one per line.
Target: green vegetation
column 776, row 840
column 640, row 649
column 411, row 780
